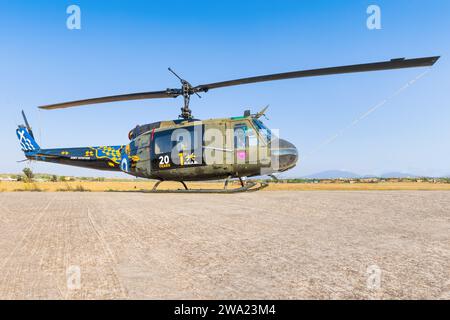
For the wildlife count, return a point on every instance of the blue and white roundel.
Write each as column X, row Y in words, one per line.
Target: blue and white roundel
column 124, row 164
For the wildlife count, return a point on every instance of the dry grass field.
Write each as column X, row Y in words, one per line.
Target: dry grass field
column 263, row 245
column 131, row 185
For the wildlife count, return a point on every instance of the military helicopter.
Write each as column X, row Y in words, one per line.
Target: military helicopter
column 189, row 149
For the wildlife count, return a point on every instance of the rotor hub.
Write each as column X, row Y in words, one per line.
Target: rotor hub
column 186, row 90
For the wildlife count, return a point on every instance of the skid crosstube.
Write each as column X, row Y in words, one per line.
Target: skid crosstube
column 248, row 186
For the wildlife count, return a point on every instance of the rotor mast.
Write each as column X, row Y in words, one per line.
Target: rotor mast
column 186, row 90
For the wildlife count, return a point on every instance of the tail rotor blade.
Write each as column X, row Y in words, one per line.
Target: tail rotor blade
column 27, row 124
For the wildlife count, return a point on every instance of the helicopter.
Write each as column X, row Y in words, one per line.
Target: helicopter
column 190, row 149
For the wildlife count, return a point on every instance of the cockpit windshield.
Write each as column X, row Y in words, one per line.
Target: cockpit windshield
column 263, row 130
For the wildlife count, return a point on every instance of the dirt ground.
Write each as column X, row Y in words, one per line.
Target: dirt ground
column 265, row 245
column 134, row 185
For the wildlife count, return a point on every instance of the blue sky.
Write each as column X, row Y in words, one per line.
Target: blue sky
column 126, row 46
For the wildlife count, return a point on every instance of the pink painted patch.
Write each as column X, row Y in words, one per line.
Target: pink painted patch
column 241, row 155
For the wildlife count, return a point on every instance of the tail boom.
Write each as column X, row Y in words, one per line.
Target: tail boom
column 100, row 158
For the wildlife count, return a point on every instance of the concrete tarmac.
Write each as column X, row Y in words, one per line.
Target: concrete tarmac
column 266, row 245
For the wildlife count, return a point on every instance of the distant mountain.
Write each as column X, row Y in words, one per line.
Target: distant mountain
column 340, row 174
column 369, row 176
column 398, row 175
column 333, row 174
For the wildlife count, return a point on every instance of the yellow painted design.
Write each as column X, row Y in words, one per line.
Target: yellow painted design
column 181, row 156
column 190, row 156
column 109, row 153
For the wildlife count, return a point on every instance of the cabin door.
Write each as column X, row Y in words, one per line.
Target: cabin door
column 216, row 149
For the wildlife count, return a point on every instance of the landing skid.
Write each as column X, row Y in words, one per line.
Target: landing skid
column 246, row 186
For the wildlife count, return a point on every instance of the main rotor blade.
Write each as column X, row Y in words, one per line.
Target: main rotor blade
column 173, row 93
column 387, row 65
column 169, row 93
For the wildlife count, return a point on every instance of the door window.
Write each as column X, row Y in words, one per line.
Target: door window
column 176, row 148
column 240, row 136
column 163, row 143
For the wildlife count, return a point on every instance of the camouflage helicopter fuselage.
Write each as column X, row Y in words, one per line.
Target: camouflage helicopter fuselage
column 181, row 150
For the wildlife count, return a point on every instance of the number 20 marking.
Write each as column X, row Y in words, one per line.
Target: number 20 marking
column 164, row 160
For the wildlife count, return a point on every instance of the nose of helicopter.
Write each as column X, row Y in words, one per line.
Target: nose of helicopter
column 286, row 155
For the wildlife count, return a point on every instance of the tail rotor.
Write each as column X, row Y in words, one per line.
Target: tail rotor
column 30, row 131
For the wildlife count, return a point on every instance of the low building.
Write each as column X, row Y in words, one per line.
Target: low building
column 6, row 179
